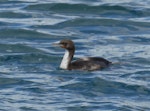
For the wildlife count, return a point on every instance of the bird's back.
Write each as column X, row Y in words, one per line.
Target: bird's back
column 89, row 63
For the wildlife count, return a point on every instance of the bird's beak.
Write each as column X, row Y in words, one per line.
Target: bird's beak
column 56, row 44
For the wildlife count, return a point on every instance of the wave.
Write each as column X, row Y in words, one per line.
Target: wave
column 85, row 9
column 22, row 33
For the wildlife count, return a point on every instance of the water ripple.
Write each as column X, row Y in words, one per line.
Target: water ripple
column 30, row 77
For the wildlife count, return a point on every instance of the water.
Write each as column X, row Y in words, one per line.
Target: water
column 30, row 78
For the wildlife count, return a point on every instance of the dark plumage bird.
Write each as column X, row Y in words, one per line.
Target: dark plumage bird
column 86, row 63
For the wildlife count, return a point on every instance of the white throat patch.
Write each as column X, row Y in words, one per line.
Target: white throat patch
column 65, row 61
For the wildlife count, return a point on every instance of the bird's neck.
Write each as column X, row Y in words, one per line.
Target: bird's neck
column 66, row 61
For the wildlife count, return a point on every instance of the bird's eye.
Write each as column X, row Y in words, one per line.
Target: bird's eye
column 64, row 43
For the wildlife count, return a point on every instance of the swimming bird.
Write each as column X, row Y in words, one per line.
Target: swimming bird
column 85, row 63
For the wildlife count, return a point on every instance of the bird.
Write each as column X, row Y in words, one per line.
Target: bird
column 85, row 63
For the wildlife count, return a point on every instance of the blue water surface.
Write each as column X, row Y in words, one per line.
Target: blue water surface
column 30, row 77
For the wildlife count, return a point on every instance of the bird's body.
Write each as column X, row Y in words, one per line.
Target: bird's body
column 90, row 63
column 86, row 63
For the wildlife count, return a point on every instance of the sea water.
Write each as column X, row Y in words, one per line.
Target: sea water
column 30, row 77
